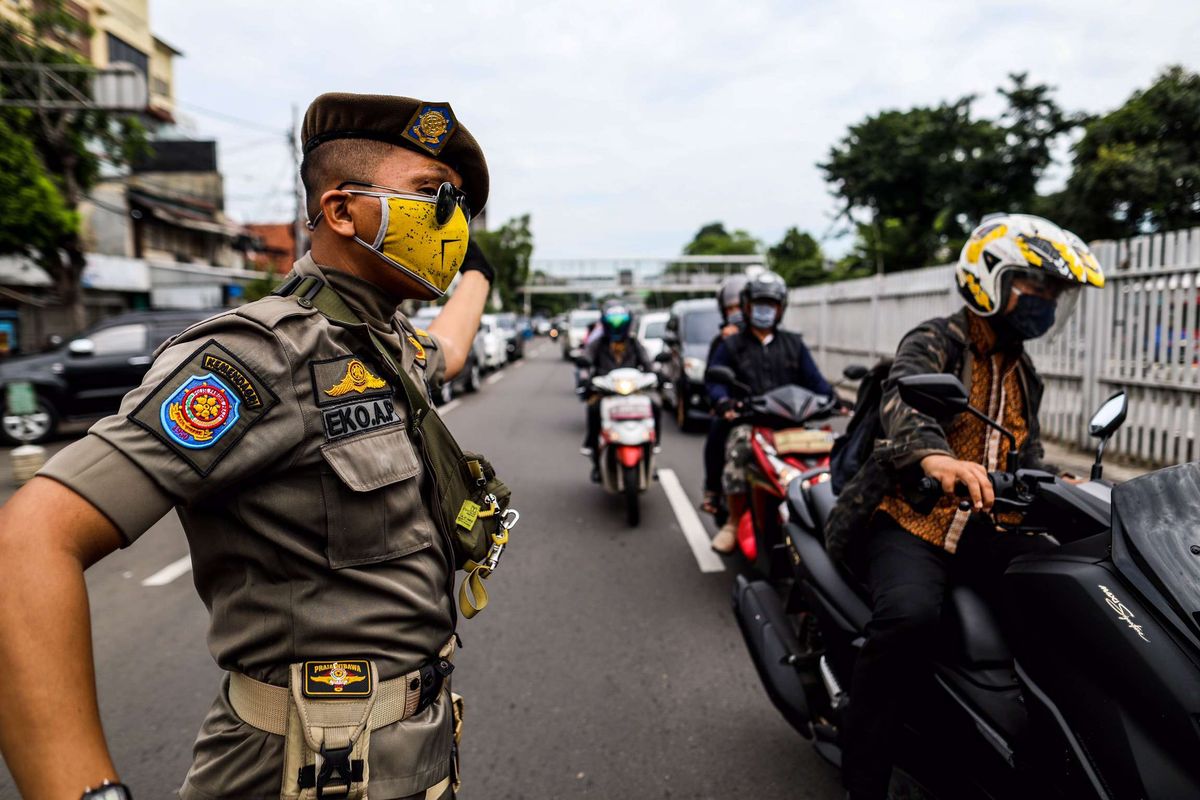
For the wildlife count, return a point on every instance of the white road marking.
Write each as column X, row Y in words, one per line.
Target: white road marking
column 169, row 573
column 689, row 523
column 446, row 409
column 495, row 378
column 519, row 364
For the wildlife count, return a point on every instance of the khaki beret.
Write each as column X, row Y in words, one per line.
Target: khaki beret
column 424, row 127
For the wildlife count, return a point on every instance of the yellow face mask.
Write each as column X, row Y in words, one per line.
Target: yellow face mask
column 425, row 236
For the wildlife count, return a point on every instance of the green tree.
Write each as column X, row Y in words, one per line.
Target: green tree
column 798, row 259
column 714, row 240
column 34, row 218
column 922, row 178
column 1137, row 169
column 509, row 249
column 69, row 145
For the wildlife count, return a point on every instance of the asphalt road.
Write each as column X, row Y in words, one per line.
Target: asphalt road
column 607, row 666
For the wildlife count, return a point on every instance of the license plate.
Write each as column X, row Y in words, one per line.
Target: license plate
column 802, row 441
column 627, row 407
column 20, row 398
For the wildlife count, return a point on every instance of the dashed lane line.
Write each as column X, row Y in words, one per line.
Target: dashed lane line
column 446, row 409
column 170, row 573
column 496, row 378
column 689, row 523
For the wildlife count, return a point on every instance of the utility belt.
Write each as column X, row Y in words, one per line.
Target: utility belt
column 471, row 504
column 326, row 715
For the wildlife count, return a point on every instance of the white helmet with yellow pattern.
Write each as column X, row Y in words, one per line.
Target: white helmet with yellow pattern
column 1010, row 243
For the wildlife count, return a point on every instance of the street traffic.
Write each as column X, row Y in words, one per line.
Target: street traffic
column 607, row 665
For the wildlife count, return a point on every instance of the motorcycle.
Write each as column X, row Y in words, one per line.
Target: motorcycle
column 627, row 434
column 788, row 442
column 1095, row 695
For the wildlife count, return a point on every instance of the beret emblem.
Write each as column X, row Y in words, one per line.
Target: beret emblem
column 431, row 127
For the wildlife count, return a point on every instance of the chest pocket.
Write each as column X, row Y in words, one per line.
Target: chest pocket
column 373, row 505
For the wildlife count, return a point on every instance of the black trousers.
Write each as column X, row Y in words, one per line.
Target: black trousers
column 714, row 453
column 907, row 578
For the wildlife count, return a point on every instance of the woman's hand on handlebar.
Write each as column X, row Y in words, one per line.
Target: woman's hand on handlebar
column 949, row 471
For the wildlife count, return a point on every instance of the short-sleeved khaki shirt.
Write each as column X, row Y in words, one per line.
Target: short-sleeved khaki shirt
column 270, row 430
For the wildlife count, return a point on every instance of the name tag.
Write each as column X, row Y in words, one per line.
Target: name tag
column 359, row 417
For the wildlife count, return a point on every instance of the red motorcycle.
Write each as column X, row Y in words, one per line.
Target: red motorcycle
column 790, row 439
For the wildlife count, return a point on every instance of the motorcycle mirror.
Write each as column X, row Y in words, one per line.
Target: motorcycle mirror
column 855, row 372
column 939, row 396
column 1110, row 416
column 1104, row 424
column 942, row 396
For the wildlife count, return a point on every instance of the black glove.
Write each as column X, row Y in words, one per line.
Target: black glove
column 477, row 261
column 727, row 404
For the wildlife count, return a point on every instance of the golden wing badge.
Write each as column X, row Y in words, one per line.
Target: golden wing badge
column 357, row 379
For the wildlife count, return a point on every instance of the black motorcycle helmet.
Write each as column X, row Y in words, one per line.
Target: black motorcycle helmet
column 617, row 322
column 765, row 286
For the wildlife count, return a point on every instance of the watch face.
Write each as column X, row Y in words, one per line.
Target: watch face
column 115, row 791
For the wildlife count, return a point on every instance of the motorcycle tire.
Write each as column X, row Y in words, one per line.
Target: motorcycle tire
column 632, row 479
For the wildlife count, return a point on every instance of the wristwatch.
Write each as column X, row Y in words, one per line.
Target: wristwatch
column 108, row 791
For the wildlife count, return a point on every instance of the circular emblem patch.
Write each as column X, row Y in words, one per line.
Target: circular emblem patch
column 199, row 412
column 433, row 124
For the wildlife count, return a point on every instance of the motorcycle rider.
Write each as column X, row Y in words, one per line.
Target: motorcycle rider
column 615, row 348
column 732, row 321
column 1017, row 273
column 764, row 358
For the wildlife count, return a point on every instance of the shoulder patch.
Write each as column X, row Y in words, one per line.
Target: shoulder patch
column 426, row 338
column 337, row 380
column 205, row 406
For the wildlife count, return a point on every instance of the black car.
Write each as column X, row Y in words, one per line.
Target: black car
column 86, row 377
column 690, row 330
column 470, row 378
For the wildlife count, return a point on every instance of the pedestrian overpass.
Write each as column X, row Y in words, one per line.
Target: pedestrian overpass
column 597, row 277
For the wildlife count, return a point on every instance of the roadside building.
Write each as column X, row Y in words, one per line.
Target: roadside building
column 272, row 246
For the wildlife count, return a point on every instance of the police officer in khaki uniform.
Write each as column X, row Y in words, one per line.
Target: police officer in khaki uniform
column 282, row 433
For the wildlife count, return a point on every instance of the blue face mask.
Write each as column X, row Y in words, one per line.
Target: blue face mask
column 763, row 316
column 1032, row 317
column 735, row 317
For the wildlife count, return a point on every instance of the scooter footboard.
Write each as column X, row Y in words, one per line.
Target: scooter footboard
column 772, row 644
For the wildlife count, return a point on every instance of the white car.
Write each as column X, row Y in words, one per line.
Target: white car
column 579, row 322
column 495, row 343
column 652, row 325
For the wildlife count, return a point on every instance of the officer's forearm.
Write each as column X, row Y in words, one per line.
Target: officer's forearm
column 456, row 326
column 50, row 734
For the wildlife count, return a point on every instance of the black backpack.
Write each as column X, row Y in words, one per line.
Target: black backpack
column 852, row 449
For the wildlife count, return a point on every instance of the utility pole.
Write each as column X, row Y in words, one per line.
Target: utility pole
column 300, row 215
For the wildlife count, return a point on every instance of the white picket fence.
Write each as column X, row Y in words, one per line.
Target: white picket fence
column 1139, row 334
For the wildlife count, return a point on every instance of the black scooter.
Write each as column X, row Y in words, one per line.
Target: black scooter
column 1097, row 695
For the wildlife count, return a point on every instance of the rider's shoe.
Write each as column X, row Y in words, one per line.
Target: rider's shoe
column 587, row 451
column 726, row 539
column 595, row 474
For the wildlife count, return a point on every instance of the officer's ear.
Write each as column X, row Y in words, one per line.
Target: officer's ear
column 335, row 207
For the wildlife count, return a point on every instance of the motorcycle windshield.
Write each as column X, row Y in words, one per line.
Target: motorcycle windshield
column 1159, row 517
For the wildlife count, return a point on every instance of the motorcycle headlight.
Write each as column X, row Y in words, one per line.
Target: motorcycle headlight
column 624, row 387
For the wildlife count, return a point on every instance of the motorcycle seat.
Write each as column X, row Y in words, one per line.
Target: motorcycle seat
column 834, row 584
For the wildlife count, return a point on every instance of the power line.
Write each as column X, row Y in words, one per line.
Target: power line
column 230, row 118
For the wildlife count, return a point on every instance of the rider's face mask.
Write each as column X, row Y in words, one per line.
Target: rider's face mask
column 734, row 316
column 1033, row 316
column 424, row 236
column 762, row 315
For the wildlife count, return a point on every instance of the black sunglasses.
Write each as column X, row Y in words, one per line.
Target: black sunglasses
column 447, row 198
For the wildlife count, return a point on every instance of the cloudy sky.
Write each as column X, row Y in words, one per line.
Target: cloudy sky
column 622, row 126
